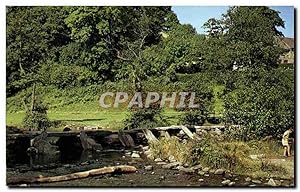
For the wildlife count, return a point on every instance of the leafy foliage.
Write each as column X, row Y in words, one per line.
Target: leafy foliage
column 194, row 117
column 145, row 118
column 262, row 102
column 37, row 118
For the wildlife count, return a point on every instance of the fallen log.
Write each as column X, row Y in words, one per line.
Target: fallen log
column 72, row 176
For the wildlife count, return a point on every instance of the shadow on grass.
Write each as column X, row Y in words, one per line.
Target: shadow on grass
column 81, row 120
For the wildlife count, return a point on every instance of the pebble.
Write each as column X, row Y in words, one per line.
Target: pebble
column 201, row 180
column 226, row 182
column 147, row 153
column 146, row 148
column 171, row 165
column 187, row 170
column 149, row 168
column 197, row 167
column 272, row 183
column 248, row 179
column 219, row 172
column 256, row 181
column 201, row 173
column 152, row 173
column 135, row 155
column 206, row 175
column 162, row 177
column 158, row 160
column 231, row 183
column 161, row 163
column 23, row 185
column 67, row 166
column 206, row 169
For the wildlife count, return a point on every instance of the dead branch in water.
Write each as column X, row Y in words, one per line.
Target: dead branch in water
column 72, row 176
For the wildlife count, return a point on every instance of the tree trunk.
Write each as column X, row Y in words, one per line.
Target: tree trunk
column 33, row 98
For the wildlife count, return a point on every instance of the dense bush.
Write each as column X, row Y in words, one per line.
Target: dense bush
column 37, row 118
column 63, row 76
column 262, row 102
column 193, row 117
column 145, row 118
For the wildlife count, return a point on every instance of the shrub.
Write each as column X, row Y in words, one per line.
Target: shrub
column 166, row 147
column 193, row 117
column 37, row 119
column 262, row 102
column 145, row 118
column 63, row 76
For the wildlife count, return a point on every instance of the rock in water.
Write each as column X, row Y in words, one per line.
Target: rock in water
column 271, row 182
column 126, row 139
column 89, row 143
column 42, row 145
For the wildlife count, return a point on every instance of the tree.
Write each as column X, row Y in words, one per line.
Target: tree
column 250, row 33
column 34, row 34
column 262, row 102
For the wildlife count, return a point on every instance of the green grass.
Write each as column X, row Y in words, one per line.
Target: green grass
column 218, row 101
column 110, row 119
column 80, row 106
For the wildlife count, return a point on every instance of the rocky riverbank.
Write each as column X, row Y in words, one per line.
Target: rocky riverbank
column 155, row 172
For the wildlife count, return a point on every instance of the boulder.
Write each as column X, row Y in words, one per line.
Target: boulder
column 89, row 143
column 42, row 145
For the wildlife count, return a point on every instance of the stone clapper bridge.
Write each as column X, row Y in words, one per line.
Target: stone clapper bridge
column 97, row 139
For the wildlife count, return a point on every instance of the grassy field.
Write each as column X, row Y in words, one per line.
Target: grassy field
column 111, row 119
column 88, row 112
